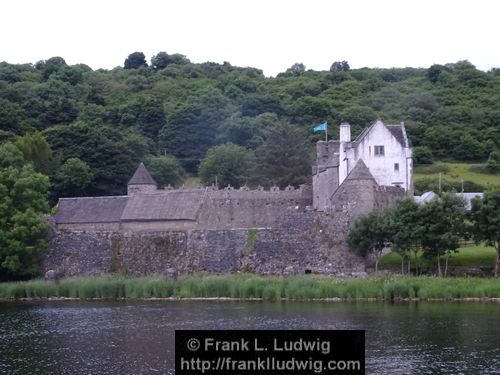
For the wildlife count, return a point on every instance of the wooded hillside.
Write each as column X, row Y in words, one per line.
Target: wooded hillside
column 88, row 130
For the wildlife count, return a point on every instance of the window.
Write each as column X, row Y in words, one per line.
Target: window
column 379, row 150
column 396, row 167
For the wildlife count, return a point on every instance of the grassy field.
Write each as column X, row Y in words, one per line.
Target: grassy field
column 305, row 287
column 455, row 172
column 473, row 256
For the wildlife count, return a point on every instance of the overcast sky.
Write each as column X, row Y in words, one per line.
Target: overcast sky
column 270, row 35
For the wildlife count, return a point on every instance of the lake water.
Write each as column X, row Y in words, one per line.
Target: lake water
column 72, row 337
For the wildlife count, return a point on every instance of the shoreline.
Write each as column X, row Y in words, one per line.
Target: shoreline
column 236, row 299
column 249, row 287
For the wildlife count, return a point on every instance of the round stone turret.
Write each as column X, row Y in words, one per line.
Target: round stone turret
column 141, row 181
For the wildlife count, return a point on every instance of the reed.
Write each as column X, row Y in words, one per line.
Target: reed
column 253, row 286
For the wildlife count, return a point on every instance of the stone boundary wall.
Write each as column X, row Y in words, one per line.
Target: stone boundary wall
column 300, row 243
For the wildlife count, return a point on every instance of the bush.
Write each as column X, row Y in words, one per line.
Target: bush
column 422, row 155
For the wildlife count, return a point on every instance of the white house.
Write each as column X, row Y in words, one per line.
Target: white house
column 385, row 151
column 381, row 152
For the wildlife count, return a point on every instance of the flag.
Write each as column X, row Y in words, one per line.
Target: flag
column 320, row 127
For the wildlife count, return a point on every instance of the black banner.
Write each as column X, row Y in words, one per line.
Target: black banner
column 269, row 352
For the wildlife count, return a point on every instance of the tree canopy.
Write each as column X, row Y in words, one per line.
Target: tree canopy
column 23, row 199
column 227, row 164
column 485, row 215
column 113, row 119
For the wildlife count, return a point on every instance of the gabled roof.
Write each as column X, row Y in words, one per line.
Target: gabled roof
column 142, row 177
column 360, row 172
column 90, row 210
column 164, row 205
column 398, row 131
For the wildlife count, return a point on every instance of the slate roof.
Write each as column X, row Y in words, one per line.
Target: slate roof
column 397, row 131
column 142, row 177
column 90, row 210
column 360, row 172
column 164, row 205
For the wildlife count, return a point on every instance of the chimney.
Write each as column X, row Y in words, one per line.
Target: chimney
column 345, row 132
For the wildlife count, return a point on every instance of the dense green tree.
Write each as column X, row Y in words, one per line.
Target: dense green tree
column 23, row 200
column 340, row 66
column 166, row 170
column 370, row 235
column 493, row 163
column 192, row 130
column 485, row 215
column 72, row 178
column 296, row 69
column 160, row 61
column 405, row 226
column 144, row 112
column 10, row 116
column 442, row 226
column 36, row 149
column 11, row 156
column 140, row 145
column 163, row 59
column 135, row 60
column 102, row 149
column 284, row 158
column 422, row 155
column 227, row 164
column 50, row 66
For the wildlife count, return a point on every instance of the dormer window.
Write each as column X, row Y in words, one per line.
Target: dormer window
column 379, row 151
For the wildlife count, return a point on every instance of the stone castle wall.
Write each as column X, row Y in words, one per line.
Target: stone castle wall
column 291, row 238
column 300, row 243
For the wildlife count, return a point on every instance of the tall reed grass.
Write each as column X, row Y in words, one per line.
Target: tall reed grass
column 252, row 286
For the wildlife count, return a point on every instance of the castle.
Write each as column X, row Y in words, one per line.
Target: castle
column 274, row 231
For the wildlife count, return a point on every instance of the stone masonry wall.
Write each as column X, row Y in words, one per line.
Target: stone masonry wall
column 302, row 241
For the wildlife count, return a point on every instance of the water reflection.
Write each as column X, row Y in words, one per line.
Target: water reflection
column 138, row 337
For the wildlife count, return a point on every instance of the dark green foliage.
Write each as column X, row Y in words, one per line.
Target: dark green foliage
column 296, row 69
column 11, row 156
column 163, row 59
column 442, row 226
column 340, row 66
column 10, row 116
column 485, row 216
column 36, row 149
column 23, row 199
column 192, row 130
column 50, row 66
column 183, row 109
column 422, row 155
column 102, row 150
column 284, row 158
column 434, row 227
column 135, row 60
column 72, row 178
column 227, row 164
column 370, row 234
column 166, row 170
column 493, row 163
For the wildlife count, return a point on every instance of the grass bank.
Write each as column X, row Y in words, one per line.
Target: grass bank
column 251, row 286
column 455, row 172
column 472, row 256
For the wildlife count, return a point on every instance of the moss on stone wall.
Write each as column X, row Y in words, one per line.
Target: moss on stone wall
column 251, row 238
column 166, row 243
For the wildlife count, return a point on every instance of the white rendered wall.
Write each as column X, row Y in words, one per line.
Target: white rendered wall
column 382, row 167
